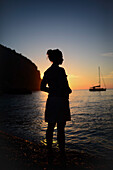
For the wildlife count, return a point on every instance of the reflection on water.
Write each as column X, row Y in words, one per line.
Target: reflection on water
column 90, row 129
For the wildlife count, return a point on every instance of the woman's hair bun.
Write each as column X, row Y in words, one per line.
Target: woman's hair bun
column 55, row 55
column 50, row 54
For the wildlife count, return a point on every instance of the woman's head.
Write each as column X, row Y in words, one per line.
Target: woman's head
column 55, row 56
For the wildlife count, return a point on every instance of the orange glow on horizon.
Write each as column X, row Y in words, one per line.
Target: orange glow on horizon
column 77, row 82
column 80, row 78
column 85, row 83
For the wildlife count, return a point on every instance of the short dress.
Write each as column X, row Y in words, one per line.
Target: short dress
column 57, row 105
column 57, row 109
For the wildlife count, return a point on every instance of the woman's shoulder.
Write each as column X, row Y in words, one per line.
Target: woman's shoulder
column 48, row 70
column 62, row 70
column 57, row 69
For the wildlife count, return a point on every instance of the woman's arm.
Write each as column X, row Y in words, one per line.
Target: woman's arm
column 67, row 88
column 44, row 83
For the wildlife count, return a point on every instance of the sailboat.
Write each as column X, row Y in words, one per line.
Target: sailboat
column 98, row 87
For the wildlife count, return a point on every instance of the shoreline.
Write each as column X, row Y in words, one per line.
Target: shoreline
column 20, row 154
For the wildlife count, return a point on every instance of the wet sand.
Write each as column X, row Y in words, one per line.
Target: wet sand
column 20, row 154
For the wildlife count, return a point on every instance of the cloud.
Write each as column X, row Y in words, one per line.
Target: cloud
column 109, row 54
column 73, row 76
column 109, row 76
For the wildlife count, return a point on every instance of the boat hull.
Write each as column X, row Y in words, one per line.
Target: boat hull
column 98, row 89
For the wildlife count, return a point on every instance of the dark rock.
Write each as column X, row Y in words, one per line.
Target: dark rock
column 18, row 74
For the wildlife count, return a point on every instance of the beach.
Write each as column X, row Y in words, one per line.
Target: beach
column 18, row 154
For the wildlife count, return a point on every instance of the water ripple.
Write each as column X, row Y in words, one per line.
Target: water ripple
column 91, row 128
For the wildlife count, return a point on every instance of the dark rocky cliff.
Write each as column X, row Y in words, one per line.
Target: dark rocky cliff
column 17, row 72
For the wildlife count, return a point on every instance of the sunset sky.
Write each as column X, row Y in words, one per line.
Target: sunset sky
column 81, row 29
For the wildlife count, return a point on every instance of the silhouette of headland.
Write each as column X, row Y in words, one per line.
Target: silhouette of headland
column 18, row 74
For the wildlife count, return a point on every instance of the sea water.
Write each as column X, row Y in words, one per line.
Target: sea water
column 90, row 129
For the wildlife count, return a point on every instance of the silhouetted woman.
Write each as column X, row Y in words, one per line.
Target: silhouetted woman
column 57, row 109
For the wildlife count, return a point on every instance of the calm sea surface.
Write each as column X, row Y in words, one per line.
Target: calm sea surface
column 91, row 128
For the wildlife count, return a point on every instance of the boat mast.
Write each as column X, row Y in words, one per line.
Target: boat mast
column 99, row 76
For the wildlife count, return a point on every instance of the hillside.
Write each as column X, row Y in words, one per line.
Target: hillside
column 17, row 72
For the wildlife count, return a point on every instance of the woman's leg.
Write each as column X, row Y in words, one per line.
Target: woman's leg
column 49, row 135
column 61, row 135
